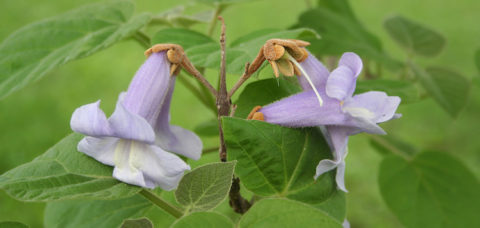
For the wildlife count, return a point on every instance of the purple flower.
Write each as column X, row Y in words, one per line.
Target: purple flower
column 342, row 114
column 138, row 139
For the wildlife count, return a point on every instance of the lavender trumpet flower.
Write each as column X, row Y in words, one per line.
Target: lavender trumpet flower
column 342, row 114
column 138, row 139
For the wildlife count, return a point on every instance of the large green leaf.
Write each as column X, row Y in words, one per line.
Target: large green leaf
column 64, row 173
column 278, row 161
column 286, row 213
column 205, row 187
column 203, row 220
column 205, row 52
column 100, row 213
column 32, row 51
column 449, row 89
column 431, row 190
column 335, row 206
column 342, row 32
column 405, row 90
column 413, row 37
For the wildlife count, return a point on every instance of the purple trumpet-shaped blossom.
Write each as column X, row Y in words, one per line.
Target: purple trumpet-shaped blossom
column 342, row 113
column 138, row 139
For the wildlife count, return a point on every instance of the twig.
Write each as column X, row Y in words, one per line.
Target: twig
column 237, row 202
column 188, row 66
column 213, row 23
column 209, row 150
column 246, row 75
column 223, row 103
column 142, row 39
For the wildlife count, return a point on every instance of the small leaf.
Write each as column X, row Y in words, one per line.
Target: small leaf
column 137, row 223
column 405, row 90
column 12, row 224
column 286, row 213
column 415, row 38
column 32, row 51
column 64, row 173
column 205, row 52
column 176, row 17
column 203, row 220
column 431, row 190
column 205, row 187
column 208, row 128
column 95, row 213
column 449, row 89
column 342, row 32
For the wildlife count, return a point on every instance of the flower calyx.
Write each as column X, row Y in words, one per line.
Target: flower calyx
column 175, row 55
column 276, row 52
column 255, row 114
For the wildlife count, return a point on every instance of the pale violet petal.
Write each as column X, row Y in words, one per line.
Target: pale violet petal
column 380, row 106
column 302, row 110
column 352, row 61
column 317, row 71
column 346, row 224
column 159, row 168
column 102, row 149
column 90, row 120
column 128, row 125
column 366, row 125
column 324, row 166
column 124, row 170
column 180, row 141
column 340, row 177
column 340, row 83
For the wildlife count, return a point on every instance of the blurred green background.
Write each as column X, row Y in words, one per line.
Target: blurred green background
column 35, row 118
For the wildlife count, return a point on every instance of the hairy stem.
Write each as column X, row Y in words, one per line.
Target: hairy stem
column 213, row 23
column 174, row 211
column 142, row 38
column 199, row 94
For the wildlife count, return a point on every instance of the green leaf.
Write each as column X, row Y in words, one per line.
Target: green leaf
column 12, row 224
column 137, row 223
column 30, row 52
column 286, row 213
column 449, row 89
column 96, row 213
column 278, row 161
column 205, row 187
column 263, row 92
column 405, row 90
column 203, row 220
column 431, row 190
column 64, row 173
column 477, row 59
column 208, row 128
column 335, row 206
column 414, row 37
column 205, row 52
column 342, row 32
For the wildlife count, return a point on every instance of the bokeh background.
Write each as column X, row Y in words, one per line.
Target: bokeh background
column 35, row 118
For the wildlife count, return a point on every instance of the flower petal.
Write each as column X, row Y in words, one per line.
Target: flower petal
column 340, row 177
column 159, row 168
column 302, row 110
column 316, row 70
column 180, row 141
column 149, row 87
column 381, row 106
column 90, row 120
column 124, row 170
column 341, row 83
column 102, row 149
column 148, row 166
column 128, row 125
column 352, row 61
